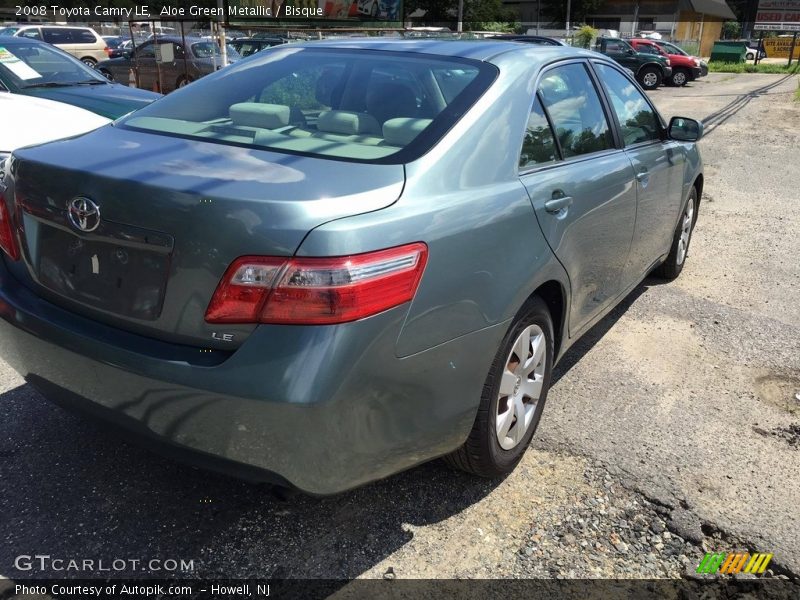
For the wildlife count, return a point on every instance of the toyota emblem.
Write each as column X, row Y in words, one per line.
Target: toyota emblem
column 83, row 214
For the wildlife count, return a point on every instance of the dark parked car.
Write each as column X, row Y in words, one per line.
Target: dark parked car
column 166, row 64
column 650, row 69
column 34, row 68
column 247, row 46
column 114, row 41
column 336, row 260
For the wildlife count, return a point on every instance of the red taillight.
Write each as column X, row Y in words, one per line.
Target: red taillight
column 7, row 243
column 317, row 291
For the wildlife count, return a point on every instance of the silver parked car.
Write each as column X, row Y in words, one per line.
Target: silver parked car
column 333, row 261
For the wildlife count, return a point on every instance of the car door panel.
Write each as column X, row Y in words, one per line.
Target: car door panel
column 591, row 234
column 582, row 189
column 659, row 176
column 658, row 164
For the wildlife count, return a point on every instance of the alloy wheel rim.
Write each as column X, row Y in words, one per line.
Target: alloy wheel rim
column 679, row 78
column 520, row 387
column 650, row 79
column 686, row 231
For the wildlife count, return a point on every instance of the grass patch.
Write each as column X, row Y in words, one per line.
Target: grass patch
column 723, row 67
column 797, row 93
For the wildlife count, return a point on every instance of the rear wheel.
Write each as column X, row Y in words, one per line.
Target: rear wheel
column 650, row 77
column 513, row 396
column 183, row 81
column 680, row 77
column 107, row 74
column 673, row 266
column 89, row 61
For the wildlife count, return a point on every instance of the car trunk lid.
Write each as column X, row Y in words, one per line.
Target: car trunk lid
column 173, row 214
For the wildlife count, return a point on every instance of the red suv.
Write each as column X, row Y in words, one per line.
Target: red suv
column 684, row 68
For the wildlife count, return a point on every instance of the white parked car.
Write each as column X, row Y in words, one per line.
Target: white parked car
column 28, row 121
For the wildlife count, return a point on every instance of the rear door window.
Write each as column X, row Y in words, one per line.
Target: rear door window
column 539, row 145
column 574, row 107
column 56, row 35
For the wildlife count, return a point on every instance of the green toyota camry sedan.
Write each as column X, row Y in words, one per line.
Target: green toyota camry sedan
column 333, row 261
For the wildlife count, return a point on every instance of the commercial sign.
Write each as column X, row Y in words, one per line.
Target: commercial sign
column 779, row 47
column 778, row 15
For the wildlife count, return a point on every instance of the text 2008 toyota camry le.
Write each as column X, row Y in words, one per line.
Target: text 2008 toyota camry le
column 334, row 261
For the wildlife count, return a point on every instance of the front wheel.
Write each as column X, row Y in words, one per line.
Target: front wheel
column 650, row 77
column 513, row 396
column 676, row 258
column 680, row 77
column 107, row 74
column 183, row 81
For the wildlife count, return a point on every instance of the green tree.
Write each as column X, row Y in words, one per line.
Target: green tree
column 731, row 30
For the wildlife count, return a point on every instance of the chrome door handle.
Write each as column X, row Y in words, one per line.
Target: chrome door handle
column 557, row 204
column 642, row 175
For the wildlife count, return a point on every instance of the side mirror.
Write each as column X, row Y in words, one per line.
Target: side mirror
column 684, row 129
column 630, row 51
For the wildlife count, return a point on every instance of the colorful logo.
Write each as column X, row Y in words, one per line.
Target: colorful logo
column 734, row 562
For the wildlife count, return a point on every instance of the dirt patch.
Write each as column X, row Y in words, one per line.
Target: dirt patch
column 780, row 391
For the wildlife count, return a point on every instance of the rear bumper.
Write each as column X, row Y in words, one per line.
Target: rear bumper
column 323, row 409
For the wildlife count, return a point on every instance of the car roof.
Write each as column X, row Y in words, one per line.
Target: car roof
column 483, row 50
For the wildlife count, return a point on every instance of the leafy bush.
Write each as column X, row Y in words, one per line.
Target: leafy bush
column 584, row 36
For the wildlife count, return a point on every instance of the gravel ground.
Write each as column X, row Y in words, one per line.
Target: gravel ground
column 671, row 429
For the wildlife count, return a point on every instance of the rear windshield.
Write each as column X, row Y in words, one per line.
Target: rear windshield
column 362, row 105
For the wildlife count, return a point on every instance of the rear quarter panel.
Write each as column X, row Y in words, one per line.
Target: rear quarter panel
column 465, row 200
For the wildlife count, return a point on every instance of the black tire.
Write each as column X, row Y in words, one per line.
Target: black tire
column 673, row 265
column 107, row 74
column 680, row 77
column 182, row 81
column 89, row 61
column 650, row 77
column 482, row 454
column 750, row 56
